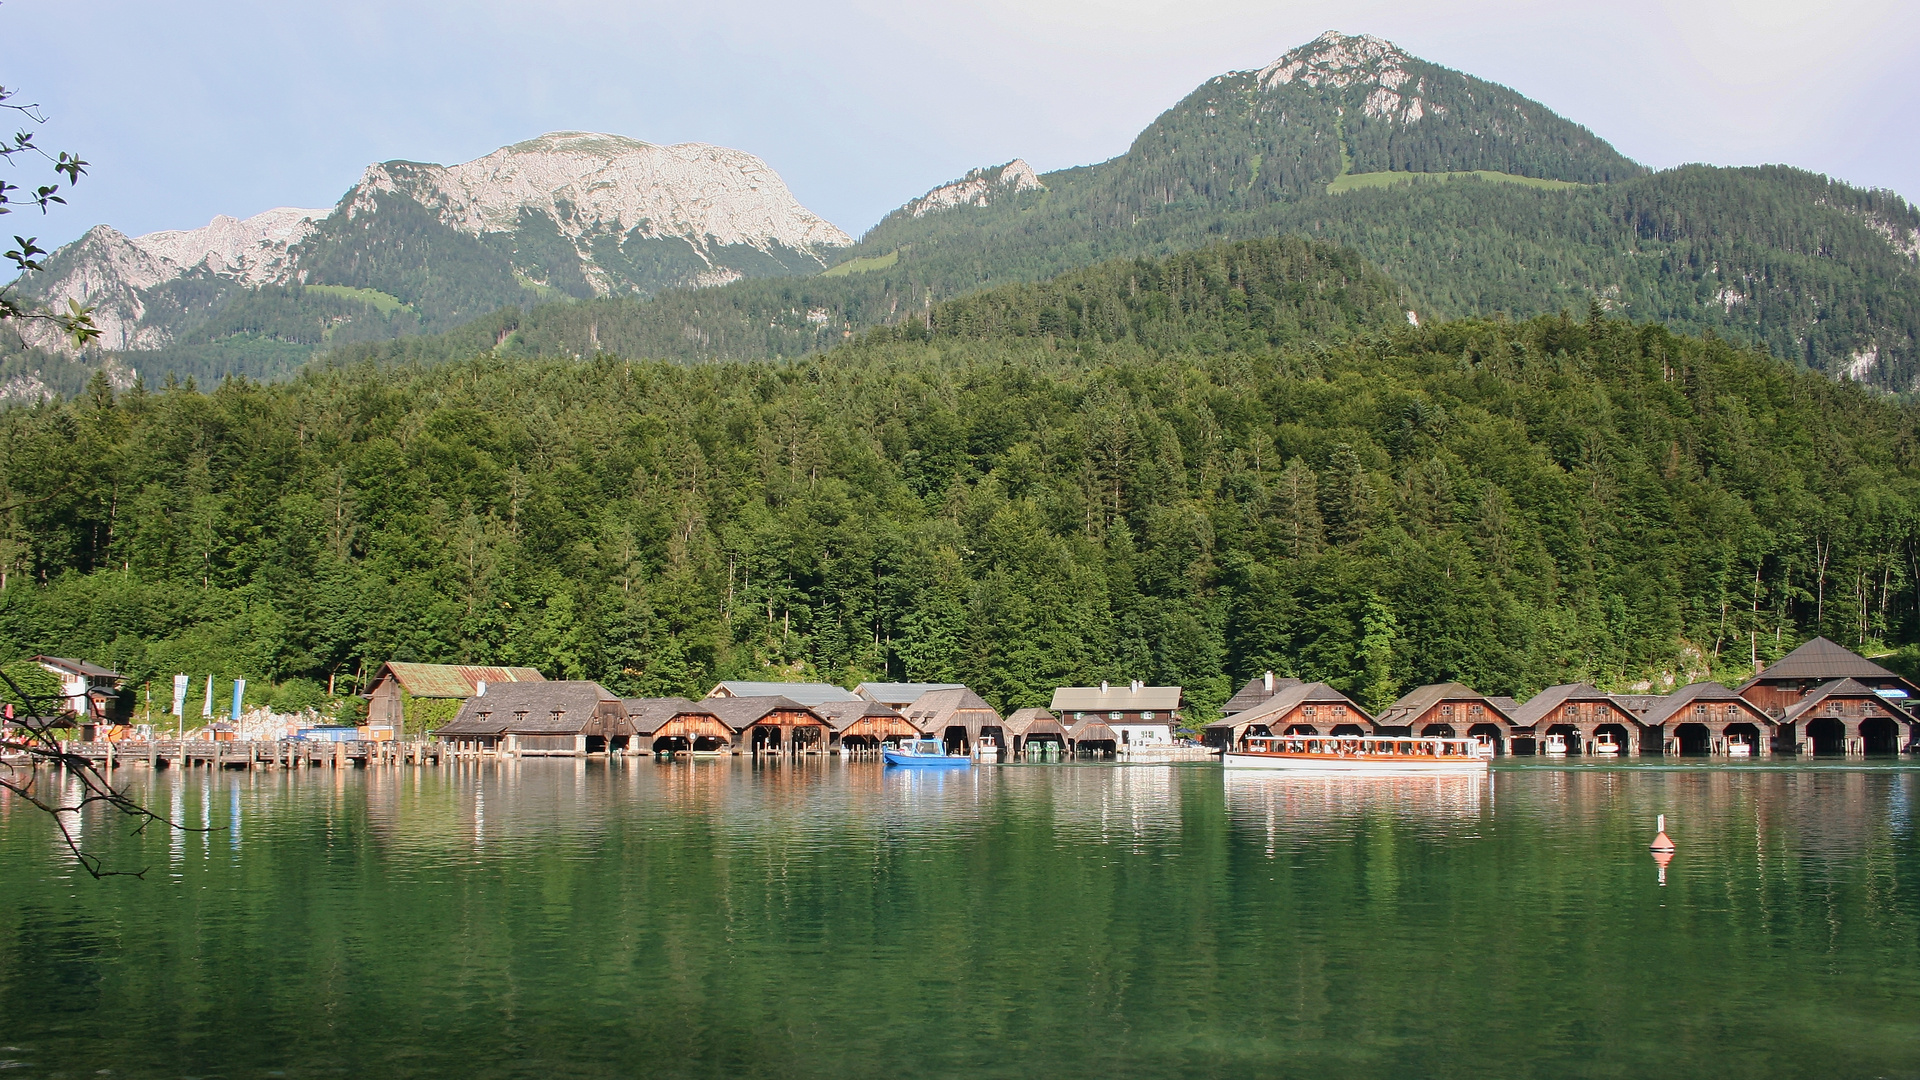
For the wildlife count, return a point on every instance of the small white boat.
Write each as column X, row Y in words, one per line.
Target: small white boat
column 986, row 748
column 1383, row 754
column 1554, row 746
column 1737, row 747
column 1604, row 746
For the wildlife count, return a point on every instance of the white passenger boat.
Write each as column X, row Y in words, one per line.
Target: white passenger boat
column 1554, row 746
column 1604, row 746
column 1359, row 753
column 986, row 748
column 1738, row 747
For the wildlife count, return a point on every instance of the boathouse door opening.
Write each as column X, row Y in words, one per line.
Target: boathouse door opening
column 1827, row 735
column 1880, row 735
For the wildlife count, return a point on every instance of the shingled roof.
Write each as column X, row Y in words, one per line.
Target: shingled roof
column 1836, row 688
column 1419, row 700
column 806, row 693
column 942, row 709
column 1659, row 710
column 1544, row 702
column 1282, row 702
column 842, row 715
column 1822, row 660
column 533, row 708
column 649, row 714
column 1127, row 698
column 740, row 713
column 1256, row 693
column 76, row 667
column 1027, row 723
column 897, row 694
column 452, row 680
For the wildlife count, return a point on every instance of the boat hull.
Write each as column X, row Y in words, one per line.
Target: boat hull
column 926, row 761
column 1383, row 766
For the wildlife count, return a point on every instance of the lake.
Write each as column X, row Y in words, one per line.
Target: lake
column 562, row 918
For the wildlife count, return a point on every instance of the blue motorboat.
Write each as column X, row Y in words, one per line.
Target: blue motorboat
column 923, row 753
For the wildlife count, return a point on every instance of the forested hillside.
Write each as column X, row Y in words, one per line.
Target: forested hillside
column 1185, row 472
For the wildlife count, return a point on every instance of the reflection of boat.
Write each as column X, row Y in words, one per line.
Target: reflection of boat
column 1359, row 753
column 1738, row 747
column 923, row 753
column 1604, row 746
column 1555, row 746
column 986, row 748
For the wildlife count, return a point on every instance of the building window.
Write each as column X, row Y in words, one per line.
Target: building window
column 1113, row 716
column 1146, row 715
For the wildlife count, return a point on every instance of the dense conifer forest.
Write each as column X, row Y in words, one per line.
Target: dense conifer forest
column 1186, row 471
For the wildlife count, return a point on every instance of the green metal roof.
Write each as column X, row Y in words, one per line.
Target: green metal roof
column 452, row 680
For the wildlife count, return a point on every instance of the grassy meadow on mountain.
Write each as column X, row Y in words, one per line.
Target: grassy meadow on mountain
column 1186, row 470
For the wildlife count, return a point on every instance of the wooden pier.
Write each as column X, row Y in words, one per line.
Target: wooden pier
column 261, row 754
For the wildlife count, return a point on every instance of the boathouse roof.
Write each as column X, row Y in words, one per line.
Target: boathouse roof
column 740, row 713
column 1133, row 697
column 567, row 707
column 451, row 680
column 941, row 709
column 842, row 715
column 1539, row 705
column 1092, row 729
column 1665, row 707
column 1256, row 693
column 1030, row 722
column 898, row 694
column 1843, row 688
column 1820, row 659
column 806, row 693
column 1285, row 701
column 1417, row 701
column 649, row 714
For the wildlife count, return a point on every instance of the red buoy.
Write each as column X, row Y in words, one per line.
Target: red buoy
column 1662, row 842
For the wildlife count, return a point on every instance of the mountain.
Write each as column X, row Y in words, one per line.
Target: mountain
column 416, row 247
column 1476, row 200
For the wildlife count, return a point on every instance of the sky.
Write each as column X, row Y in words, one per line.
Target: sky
column 190, row 109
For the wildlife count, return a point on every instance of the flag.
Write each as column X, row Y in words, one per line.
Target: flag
column 180, row 695
column 206, row 711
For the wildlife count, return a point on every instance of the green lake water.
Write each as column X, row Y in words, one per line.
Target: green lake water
column 586, row 919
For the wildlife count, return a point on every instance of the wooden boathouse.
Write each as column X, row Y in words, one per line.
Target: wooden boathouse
column 957, row 717
column 397, row 682
column 1578, row 712
column 1299, row 709
column 1814, row 669
column 1700, row 718
column 863, row 726
column 529, row 719
column 676, row 725
column 1847, row 716
column 772, row 724
column 1449, row 711
column 1037, row 730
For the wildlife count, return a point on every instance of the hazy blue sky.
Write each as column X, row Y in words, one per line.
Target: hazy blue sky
column 188, row 109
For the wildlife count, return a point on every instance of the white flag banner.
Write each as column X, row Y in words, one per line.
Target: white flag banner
column 206, row 711
column 180, row 694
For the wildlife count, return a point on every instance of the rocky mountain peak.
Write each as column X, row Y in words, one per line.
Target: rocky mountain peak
column 593, row 183
column 978, row 188
column 1340, row 61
